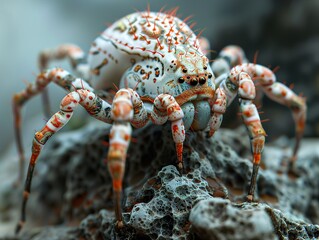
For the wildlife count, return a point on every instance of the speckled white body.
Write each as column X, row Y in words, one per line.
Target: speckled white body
column 155, row 44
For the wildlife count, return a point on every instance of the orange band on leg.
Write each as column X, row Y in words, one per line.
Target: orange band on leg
column 257, row 158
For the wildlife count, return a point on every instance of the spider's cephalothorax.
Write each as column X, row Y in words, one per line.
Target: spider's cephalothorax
column 163, row 76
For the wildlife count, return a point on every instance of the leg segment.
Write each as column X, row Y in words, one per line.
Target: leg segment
column 228, row 57
column 94, row 105
column 231, row 56
column 166, row 108
column 279, row 93
column 251, row 119
column 74, row 53
column 78, row 62
column 56, row 75
column 56, row 122
column 241, row 82
column 120, row 137
column 218, row 109
column 127, row 108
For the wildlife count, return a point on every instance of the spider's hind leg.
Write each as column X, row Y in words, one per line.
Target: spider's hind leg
column 239, row 81
column 285, row 96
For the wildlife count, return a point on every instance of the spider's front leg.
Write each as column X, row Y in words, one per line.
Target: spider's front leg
column 241, row 82
column 166, row 108
column 127, row 108
column 250, row 115
column 218, row 109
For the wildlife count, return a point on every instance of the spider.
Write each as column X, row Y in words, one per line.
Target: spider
column 163, row 76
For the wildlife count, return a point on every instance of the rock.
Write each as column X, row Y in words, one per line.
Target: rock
column 217, row 218
column 221, row 219
column 161, row 203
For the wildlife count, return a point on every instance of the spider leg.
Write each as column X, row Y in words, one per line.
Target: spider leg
column 56, row 122
column 77, row 59
column 120, row 137
column 93, row 104
column 238, row 81
column 250, row 115
column 281, row 94
column 56, row 75
column 166, row 108
column 228, row 58
column 127, row 108
column 285, row 96
column 218, row 109
column 231, row 56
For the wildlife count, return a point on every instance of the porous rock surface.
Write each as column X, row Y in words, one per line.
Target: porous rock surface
column 207, row 201
column 218, row 218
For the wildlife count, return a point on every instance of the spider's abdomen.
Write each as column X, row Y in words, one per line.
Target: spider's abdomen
column 137, row 37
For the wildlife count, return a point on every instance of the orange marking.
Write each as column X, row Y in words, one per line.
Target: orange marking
column 117, row 185
column 34, row 158
column 56, row 121
column 283, row 93
column 126, row 137
column 26, row 194
column 38, row 136
column 301, row 125
column 121, row 109
column 186, row 95
column 67, row 100
column 175, row 128
column 179, row 151
column 257, row 158
column 248, row 113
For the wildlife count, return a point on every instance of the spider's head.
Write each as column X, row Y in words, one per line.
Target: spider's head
column 193, row 68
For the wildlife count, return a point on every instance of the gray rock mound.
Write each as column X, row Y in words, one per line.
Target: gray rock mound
column 207, row 201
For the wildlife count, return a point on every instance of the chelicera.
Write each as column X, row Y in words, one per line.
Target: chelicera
column 163, row 76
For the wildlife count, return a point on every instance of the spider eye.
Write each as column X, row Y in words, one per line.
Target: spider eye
column 205, row 67
column 193, row 82
column 202, row 80
column 210, row 75
column 181, row 80
column 184, row 70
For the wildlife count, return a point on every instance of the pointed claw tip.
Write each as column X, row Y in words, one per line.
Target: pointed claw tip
column 180, row 168
column 19, row 227
column 249, row 198
column 119, row 224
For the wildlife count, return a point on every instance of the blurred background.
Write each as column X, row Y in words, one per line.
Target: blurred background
column 285, row 33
